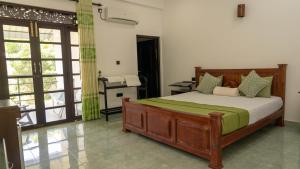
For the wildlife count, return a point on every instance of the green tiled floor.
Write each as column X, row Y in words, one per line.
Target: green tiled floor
column 101, row 145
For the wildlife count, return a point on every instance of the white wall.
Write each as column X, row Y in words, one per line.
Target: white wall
column 115, row 41
column 208, row 34
column 118, row 42
column 151, row 3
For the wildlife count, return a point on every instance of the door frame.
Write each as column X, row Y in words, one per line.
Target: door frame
column 157, row 43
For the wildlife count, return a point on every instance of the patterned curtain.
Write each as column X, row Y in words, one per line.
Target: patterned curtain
column 90, row 96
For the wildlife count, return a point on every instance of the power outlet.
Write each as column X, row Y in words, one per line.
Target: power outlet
column 119, row 95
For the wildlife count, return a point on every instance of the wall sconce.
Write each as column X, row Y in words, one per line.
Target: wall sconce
column 241, row 10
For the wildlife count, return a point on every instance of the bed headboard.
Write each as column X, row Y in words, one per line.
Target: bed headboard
column 232, row 77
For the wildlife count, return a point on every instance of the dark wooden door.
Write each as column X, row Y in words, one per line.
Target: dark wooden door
column 38, row 70
column 149, row 64
column 19, row 68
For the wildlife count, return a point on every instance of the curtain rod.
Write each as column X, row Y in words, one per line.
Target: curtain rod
column 95, row 4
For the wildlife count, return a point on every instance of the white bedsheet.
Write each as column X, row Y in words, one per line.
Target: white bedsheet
column 257, row 107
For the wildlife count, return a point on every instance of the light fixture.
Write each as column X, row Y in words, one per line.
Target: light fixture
column 241, row 10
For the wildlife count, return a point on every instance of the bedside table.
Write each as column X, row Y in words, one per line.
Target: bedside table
column 179, row 91
column 182, row 87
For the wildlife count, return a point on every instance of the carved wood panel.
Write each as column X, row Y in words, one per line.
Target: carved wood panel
column 23, row 12
column 192, row 134
column 160, row 124
column 135, row 118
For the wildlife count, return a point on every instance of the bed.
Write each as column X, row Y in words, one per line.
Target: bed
column 203, row 135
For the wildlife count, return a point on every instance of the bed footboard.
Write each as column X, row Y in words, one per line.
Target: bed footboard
column 199, row 135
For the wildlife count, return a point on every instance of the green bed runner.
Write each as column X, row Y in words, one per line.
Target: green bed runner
column 233, row 118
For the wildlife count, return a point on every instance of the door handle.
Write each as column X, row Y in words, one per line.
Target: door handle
column 36, row 30
column 41, row 69
column 34, row 67
column 31, row 29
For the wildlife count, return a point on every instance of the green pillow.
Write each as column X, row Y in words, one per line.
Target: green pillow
column 220, row 77
column 208, row 83
column 252, row 84
column 265, row 92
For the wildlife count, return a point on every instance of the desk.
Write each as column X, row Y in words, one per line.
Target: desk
column 9, row 112
column 108, row 86
column 3, row 157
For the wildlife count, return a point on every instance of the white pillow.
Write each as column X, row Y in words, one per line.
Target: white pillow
column 226, row 91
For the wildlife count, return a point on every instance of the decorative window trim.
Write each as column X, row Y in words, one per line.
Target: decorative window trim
column 24, row 12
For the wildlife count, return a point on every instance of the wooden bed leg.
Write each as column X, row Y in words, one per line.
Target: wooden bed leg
column 126, row 130
column 124, row 100
column 215, row 141
column 280, row 122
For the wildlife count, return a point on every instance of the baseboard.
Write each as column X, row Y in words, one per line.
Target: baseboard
column 292, row 124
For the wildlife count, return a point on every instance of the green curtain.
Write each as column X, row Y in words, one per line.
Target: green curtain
column 90, row 95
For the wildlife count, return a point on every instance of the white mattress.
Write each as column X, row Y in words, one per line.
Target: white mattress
column 257, row 107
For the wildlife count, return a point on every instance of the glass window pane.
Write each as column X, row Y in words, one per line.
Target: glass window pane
column 78, row 109
column 51, row 51
column 77, row 95
column 49, row 35
column 53, row 83
column 25, row 102
column 76, row 81
column 55, row 114
column 19, row 67
column 15, row 32
column 17, row 50
column 28, row 118
column 20, row 85
column 76, row 66
column 52, row 67
column 75, row 52
column 74, row 38
column 54, row 99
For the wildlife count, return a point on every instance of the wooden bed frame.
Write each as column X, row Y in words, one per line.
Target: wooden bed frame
column 196, row 134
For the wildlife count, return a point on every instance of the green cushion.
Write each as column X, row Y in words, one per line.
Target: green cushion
column 252, row 84
column 208, row 83
column 220, row 77
column 265, row 92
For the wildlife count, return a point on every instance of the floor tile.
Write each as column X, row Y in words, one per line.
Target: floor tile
column 101, row 145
